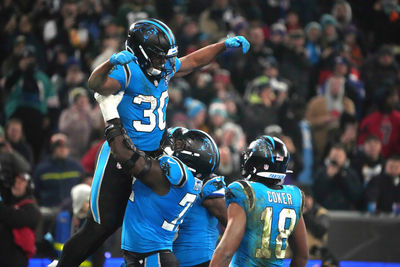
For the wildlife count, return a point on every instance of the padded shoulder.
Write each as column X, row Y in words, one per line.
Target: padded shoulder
column 214, row 187
column 175, row 171
column 242, row 193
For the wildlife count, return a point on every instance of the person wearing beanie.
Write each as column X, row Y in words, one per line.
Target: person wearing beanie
column 196, row 113
column 313, row 34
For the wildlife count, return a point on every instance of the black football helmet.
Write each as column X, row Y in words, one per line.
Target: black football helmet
column 265, row 157
column 153, row 43
column 196, row 149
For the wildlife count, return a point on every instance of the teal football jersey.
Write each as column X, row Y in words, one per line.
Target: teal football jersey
column 272, row 215
column 143, row 106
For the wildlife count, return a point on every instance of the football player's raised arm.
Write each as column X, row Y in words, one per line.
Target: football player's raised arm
column 205, row 55
column 100, row 82
column 232, row 236
column 199, row 58
column 298, row 244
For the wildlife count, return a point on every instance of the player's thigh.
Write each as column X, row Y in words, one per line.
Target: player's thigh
column 111, row 188
column 158, row 259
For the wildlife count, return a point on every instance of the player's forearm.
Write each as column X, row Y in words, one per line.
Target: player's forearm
column 133, row 161
column 98, row 78
column 221, row 258
column 206, row 54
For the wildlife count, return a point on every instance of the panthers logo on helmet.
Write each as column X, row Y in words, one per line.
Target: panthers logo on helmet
column 148, row 31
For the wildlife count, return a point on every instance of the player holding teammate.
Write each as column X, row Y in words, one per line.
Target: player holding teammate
column 162, row 194
column 263, row 216
column 139, row 75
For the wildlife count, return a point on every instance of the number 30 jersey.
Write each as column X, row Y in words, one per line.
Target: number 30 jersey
column 151, row 220
column 272, row 215
column 143, row 106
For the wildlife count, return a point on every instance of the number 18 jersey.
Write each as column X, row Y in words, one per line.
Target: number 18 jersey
column 272, row 215
column 143, row 106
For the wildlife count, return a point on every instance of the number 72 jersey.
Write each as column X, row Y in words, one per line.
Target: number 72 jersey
column 271, row 217
column 143, row 106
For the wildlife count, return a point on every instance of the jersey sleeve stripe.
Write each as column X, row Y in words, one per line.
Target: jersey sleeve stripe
column 182, row 181
column 127, row 75
column 249, row 192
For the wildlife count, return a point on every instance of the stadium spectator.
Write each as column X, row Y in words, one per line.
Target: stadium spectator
column 336, row 185
column 16, row 138
column 260, row 99
column 294, row 64
column 346, row 134
column 323, row 112
column 19, row 214
column 383, row 191
column 384, row 123
column 79, row 121
column 251, row 65
column 29, row 95
column 196, row 113
column 88, row 160
column 342, row 13
column 313, row 48
column 368, row 162
column 55, row 176
column 350, row 36
column 379, row 70
column 215, row 20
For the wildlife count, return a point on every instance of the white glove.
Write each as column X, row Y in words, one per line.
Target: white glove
column 109, row 104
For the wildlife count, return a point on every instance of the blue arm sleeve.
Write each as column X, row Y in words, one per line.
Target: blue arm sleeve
column 174, row 170
column 118, row 73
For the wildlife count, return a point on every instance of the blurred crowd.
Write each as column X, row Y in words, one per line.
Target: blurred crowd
column 322, row 75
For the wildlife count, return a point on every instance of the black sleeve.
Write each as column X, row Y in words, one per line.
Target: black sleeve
column 27, row 215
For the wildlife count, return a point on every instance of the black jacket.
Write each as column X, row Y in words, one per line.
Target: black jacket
column 14, row 216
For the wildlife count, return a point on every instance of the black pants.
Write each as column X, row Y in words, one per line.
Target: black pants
column 111, row 188
column 163, row 258
column 204, row 264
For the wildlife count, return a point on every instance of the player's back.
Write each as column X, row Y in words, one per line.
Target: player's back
column 272, row 215
column 151, row 220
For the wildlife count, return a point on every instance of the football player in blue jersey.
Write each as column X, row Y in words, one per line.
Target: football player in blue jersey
column 139, row 76
column 263, row 216
column 198, row 233
column 163, row 191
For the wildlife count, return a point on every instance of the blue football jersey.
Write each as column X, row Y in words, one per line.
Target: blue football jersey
column 143, row 106
column 151, row 221
column 198, row 233
column 272, row 215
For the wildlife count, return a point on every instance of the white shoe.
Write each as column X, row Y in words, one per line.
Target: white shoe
column 53, row 264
